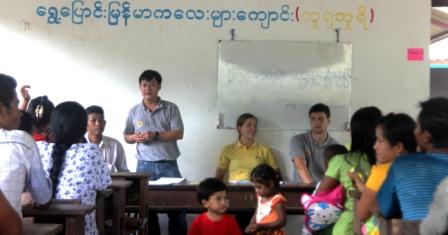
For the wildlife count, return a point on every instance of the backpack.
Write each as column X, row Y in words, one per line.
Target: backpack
column 323, row 209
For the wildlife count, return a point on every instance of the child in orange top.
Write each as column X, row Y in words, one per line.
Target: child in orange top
column 212, row 195
column 270, row 215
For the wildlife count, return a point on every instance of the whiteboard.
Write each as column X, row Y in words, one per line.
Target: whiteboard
column 279, row 81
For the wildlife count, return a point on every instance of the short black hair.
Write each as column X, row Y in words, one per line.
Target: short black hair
column 149, row 75
column 399, row 128
column 208, row 187
column 94, row 109
column 7, row 89
column 433, row 118
column 319, row 108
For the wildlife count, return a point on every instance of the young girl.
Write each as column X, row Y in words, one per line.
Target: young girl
column 394, row 137
column 270, row 216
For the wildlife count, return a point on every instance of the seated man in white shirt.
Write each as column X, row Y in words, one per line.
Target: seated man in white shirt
column 113, row 152
column 20, row 163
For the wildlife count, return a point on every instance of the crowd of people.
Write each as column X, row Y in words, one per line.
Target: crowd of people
column 398, row 165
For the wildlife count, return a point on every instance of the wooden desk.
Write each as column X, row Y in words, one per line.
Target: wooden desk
column 71, row 215
column 101, row 197
column 136, row 195
column 119, row 200
column 138, row 190
column 31, row 228
column 163, row 198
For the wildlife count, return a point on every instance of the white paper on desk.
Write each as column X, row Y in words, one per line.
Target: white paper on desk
column 166, row 181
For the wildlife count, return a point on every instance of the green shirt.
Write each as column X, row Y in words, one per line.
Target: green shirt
column 338, row 167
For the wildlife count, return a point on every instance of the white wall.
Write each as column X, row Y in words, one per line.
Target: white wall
column 98, row 63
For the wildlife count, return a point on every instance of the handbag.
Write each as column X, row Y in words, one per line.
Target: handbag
column 323, row 209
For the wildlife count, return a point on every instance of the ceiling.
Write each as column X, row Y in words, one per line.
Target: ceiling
column 439, row 32
column 439, row 20
column 439, row 24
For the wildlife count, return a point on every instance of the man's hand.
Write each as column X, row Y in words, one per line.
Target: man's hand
column 147, row 135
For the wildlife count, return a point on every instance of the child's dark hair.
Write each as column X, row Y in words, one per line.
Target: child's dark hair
column 333, row 150
column 208, row 187
column 40, row 109
column 265, row 174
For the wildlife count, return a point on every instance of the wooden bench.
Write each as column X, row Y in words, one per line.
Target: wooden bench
column 31, row 228
column 101, row 197
column 72, row 216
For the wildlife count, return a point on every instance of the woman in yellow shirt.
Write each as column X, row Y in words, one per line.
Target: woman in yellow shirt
column 238, row 159
column 394, row 137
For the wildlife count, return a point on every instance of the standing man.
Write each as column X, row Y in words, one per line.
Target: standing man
column 112, row 150
column 20, row 165
column 307, row 149
column 156, row 125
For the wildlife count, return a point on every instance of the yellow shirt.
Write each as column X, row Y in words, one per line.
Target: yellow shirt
column 240, row 160
column 377, row 176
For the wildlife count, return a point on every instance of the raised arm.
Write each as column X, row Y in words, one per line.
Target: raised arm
column 25, row 97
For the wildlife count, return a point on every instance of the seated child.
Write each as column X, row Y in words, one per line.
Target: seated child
column 270, row 216
column 212, row 194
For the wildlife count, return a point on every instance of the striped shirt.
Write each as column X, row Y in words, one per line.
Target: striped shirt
column 410, row 185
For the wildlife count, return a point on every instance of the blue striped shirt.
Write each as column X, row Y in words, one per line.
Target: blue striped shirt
column 410, row 185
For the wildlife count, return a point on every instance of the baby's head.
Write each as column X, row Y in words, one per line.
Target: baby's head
column 332, row 151
column 212, row 194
